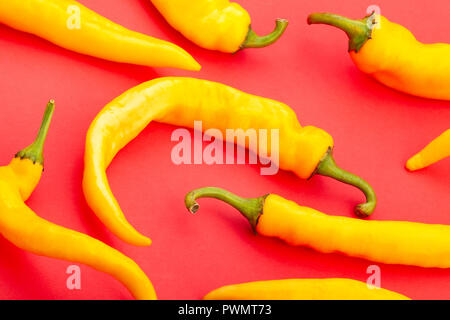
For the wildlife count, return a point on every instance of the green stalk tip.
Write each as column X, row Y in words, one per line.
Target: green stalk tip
column 34, row 152
column 254, row 41
column 250, row 208
column 327, row 167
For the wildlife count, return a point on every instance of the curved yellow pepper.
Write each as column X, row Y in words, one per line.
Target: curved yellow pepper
column 22, row 227
column 181, row 101
column 216, row 24
column 303, row 289
column 390, row 242
column 435, row 151
column 94, row 36
column 391, row 54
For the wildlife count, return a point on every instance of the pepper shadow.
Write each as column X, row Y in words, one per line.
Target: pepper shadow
column 135, row 72
column 17, row 271
column 88, row 219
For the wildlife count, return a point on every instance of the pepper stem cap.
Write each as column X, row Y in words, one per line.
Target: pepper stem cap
column 358, row 31
column 34, row 152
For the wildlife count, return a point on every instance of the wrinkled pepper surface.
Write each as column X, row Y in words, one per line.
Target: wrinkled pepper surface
column 72, row 26
column 22, row 227
column 435, row 151
column 391, row 54
column 181, row 101
column 303, row 289
column 216, row 24
column 390, row 242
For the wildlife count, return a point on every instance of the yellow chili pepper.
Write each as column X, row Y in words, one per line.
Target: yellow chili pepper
column 72, row 26
column 21, row 226
column 216, row 24
column 435, row 151
column 180, row 101
column 390, row 242
column 391, row 54
column 303, row 289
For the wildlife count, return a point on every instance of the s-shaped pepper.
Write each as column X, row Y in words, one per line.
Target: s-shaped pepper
column 91, row 34
column 391, row 54
column 180, row 101
column 216, row 24
column 390, row 242
column 21, row 226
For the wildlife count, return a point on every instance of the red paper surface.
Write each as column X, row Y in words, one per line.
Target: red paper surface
column 375, row 131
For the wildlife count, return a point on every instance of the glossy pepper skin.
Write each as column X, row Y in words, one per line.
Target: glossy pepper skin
column 303, row 289
column 391, row 54
column 435, row 151
column 181, row 101
column 22, row 227
column 389, row 242
column 97, row 36
column 216, row 24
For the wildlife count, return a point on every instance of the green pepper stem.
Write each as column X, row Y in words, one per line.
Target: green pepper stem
column 34, row 152
column 327, row 167
column 254, row 41
column 358, row 31
column 250, row 208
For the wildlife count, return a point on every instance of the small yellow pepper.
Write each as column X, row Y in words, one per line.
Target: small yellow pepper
column 390, row 242
column 22, row 227
column 435, row 151
column 216, row 24
column 72, row 26
column 303, row 289
column 391, row 54
column 181, row 101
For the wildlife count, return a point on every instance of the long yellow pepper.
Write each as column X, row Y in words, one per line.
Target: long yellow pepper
column 181, row 101
column 390, row 242
column 216, row 24
column 303, row 289
column 435, row 151
column 70, row 25
column 21, row 226
column 391, row 54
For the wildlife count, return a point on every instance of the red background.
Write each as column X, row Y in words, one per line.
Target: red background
column 375, row 131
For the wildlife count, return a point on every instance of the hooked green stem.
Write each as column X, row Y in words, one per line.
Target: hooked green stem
column 250, row 208
column 34, row 152
column 255, row 41
column 327, row 167
column 358, row 31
